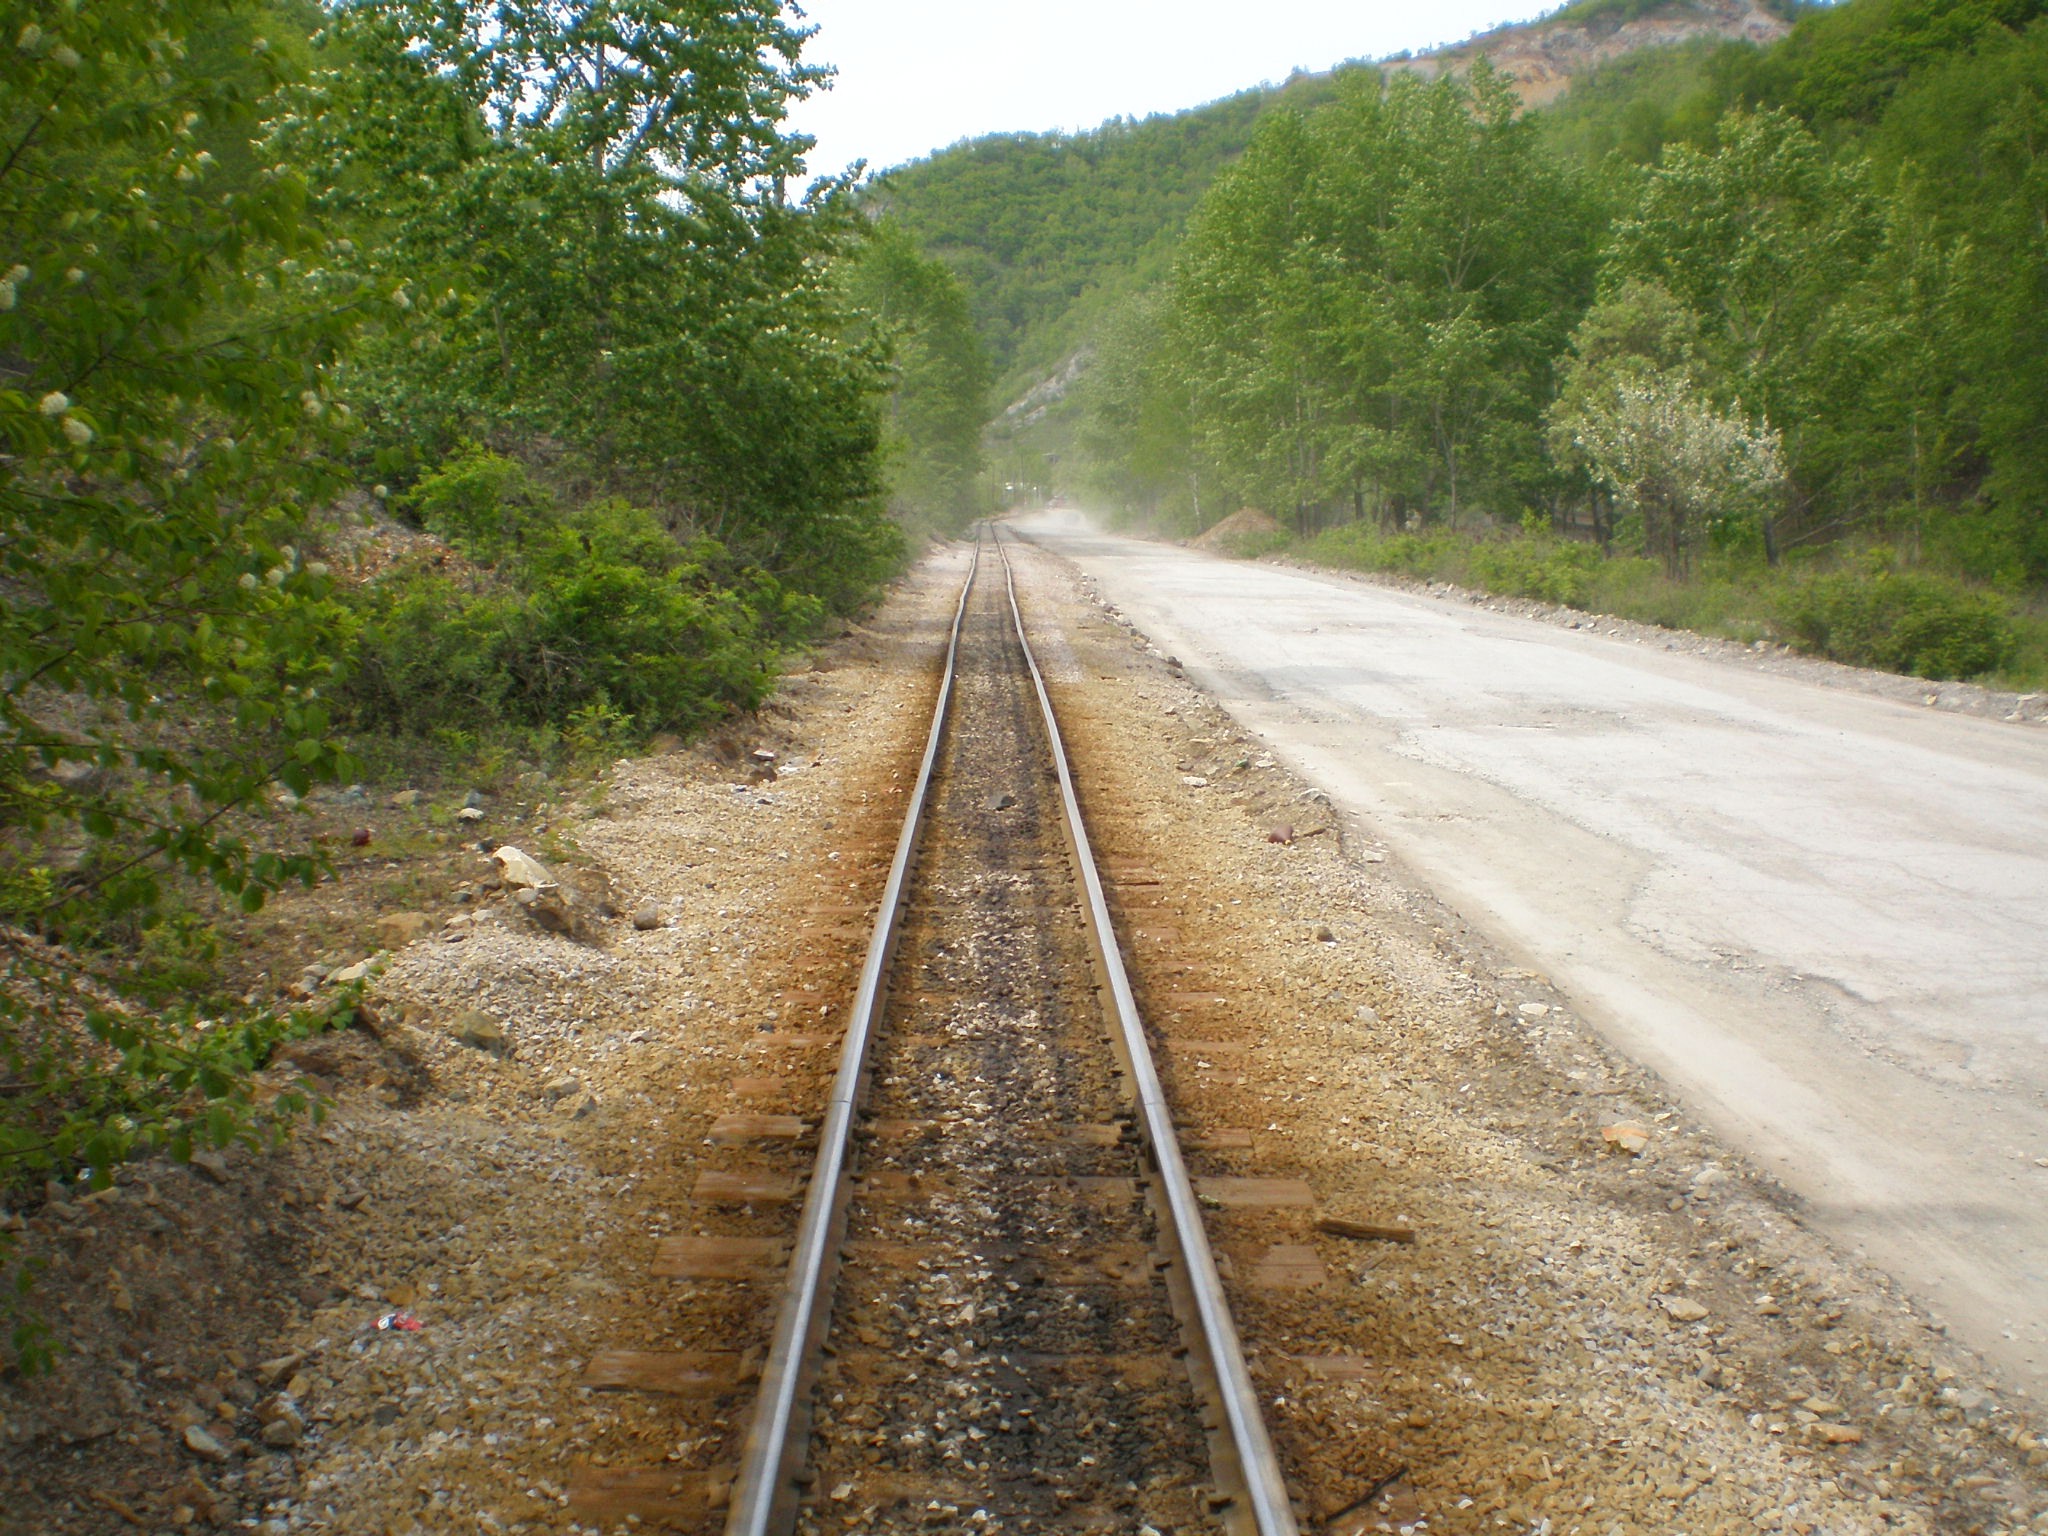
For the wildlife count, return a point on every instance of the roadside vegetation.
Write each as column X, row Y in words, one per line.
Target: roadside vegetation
column 1880, row 613
column 391, row 395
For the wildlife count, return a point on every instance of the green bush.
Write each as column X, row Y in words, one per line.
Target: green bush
column 1902, row 621
column 598, row 624
column 480, row 502
column 1873, row 614
column 1253, row 544
column 1547, row 569
column 1533, row 565
column 1358, row 547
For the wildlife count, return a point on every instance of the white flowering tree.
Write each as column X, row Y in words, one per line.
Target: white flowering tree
column 1672, row 457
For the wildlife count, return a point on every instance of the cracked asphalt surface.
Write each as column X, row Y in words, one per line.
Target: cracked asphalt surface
column 1819, row 912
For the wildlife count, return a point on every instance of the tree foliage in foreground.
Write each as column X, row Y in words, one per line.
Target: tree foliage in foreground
column 168, row 338
column 587, row 207
column 239, row 266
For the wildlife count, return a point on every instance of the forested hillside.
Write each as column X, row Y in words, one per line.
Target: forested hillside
column 1049, row 230
column 1034, row 222
column 1765, row 319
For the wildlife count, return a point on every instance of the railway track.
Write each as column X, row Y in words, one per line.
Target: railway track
column 999, row 1310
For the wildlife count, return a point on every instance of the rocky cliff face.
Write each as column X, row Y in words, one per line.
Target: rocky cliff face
column 1541, row 59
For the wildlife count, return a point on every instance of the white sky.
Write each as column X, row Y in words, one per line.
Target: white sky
column 917, row 75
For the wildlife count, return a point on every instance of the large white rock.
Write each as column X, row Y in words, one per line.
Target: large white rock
column 523, row 871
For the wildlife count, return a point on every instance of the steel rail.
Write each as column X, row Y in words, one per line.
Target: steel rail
column 764, row 1491
column 1258, row 1467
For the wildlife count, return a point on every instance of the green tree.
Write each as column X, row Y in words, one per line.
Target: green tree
column 165, row 393
column 1369, row 302
column 168, row 333
column 938, row 401
column 1762, row 238
column 1970, row 274
column 589, row 205
column 1134, row 433
column 1634, row 412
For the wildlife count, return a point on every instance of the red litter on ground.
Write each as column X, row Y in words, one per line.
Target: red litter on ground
column 402, row 1322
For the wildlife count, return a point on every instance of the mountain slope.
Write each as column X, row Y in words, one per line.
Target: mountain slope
column 1543, row 58
column 1048, row 231
column 1033, row 222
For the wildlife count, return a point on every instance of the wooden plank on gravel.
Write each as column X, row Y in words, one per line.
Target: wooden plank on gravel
column 1337, row 1367
column 744, row 1127
column 718, row 1258
column 648, row 1494
column 1114, row 1263
column 759, row 1087
column 898, row 1130
column 753, row 1186
column 1258, row 1194
column 1086, row 1135
column 789, row 1040
column 1135, row 1370
column 1184, row 1000
column 895, row 1184
column 1224, row 1139
column 1104, row 1186
column 1125, row 1264
column 1288, row 1267
column 1180, row 1047
column 895, row 1501
column 1369, row 1231
column 678, row 1373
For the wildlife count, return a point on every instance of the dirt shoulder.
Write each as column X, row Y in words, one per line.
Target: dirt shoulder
column 1535, row 1353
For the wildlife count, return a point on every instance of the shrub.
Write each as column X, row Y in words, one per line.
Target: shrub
column 1533, row 565
column 600, row 619
column 1902, row 621
column 1253, row 544
column 480, row 502
column 1547, row 569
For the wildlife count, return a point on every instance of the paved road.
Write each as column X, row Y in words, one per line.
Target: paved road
column 1821, row 915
